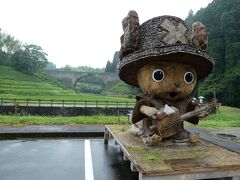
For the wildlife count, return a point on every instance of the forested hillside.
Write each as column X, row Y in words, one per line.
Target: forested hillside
column 222, row 19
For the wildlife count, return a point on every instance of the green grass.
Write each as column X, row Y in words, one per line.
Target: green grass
column 122, row 89
column 228, row 117
column 41, row 120
column 14, row 84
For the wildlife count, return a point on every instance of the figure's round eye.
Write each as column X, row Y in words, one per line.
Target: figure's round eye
column 188, row 77
column 158, row 75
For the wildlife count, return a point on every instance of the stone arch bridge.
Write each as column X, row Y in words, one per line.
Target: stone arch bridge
column 70, row 78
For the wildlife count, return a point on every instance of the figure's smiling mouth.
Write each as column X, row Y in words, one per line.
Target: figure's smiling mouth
column 172, row 95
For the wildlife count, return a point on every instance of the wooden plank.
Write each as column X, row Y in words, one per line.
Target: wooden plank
column 232, row 174
column 230, row 145
column 171, row 160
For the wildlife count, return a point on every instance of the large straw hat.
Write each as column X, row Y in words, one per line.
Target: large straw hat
column 162, row 39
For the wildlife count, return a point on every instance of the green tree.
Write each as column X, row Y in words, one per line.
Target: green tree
column 108, row 67
column 112, row 66
column 30, row 59
column 115, row 62
column 189, row 17
column 221, row 18
column 5, row 59
column 8, row 43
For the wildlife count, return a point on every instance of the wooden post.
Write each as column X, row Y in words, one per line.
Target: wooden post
column 74, row 103
column 118, row 114
column 14, row 102
column 85, row 103
column 106, row 135
column 125, row 158
column 39, row 102
column 51, row 103
column 132, row 167
column 27, row 102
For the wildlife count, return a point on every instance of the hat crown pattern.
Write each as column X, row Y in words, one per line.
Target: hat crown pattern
column 162, row 38
column 163, row 31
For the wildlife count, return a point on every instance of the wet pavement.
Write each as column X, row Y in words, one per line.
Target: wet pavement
column 51, row 128
column 61, row 159
column 93, row 131
column 50, row 131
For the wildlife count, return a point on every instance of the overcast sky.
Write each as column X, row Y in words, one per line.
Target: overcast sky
column 82, row 32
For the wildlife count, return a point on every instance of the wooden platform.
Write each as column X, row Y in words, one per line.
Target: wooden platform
column 203, row 160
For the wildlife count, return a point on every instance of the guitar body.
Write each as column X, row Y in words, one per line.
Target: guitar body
column 164, row 122
column 167, row 126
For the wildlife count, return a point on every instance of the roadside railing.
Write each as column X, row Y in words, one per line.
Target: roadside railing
column 66, row 103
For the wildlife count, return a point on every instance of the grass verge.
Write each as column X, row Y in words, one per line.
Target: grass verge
column 44, row 120
column 227, row 117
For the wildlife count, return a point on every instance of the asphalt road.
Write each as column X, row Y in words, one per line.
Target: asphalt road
column 61, row 159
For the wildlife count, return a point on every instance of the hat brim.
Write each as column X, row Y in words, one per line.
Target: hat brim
column 183, row 54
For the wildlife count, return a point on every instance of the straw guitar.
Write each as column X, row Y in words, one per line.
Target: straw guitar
column 167, row 126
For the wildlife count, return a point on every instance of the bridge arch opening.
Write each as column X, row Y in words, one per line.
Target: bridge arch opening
column 89, row 84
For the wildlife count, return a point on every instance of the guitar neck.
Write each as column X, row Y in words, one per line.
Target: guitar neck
column 194, row 113
column 186, row 116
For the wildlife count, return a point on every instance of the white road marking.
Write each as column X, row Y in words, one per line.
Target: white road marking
column 88, row 161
